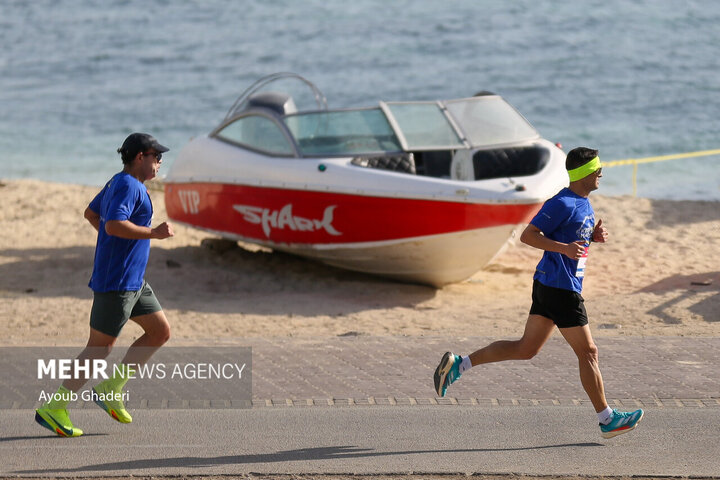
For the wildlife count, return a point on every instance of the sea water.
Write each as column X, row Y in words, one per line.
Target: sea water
column 631, row 78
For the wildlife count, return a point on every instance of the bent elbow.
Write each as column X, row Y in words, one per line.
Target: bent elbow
column 525, row 236
column 90, row 214
column 110, row 228
column 531, row 236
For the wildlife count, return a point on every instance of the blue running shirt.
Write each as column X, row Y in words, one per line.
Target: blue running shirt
column 566, row 217
column 119, row 262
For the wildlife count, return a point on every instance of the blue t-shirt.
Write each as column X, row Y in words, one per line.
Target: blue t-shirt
column 119, row 262
column 566, row 217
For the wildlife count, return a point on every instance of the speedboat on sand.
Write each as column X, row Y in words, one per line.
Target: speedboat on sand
column 425, row 192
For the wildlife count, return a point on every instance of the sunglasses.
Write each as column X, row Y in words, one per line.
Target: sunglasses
column 157, row 155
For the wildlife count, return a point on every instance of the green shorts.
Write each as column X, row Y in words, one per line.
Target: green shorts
column 111, row 310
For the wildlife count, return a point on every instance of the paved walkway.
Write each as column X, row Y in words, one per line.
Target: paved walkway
column 657, row 371
column 362, row 370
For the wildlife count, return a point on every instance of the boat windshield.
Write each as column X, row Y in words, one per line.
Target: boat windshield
column 424, row 126
column 398, row 126
column 343, row 132
column 489, row 120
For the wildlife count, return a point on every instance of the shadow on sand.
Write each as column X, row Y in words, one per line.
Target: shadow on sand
column 198, row 278
column 689, row 291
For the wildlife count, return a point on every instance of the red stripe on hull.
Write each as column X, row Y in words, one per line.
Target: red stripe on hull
column 310, row 217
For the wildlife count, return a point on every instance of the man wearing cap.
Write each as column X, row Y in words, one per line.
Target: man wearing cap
column 563, row 229
column 122, row 214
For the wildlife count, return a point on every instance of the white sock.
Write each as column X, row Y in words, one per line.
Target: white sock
column 465, row 364
column 605, row 416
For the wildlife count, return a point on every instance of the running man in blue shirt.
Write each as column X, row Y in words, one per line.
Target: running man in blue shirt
column 564, row 229
column 122, row 214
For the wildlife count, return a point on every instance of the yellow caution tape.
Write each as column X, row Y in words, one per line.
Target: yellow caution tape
column 636, row 161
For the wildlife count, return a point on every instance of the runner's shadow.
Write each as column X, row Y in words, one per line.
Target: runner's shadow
column 302, row 454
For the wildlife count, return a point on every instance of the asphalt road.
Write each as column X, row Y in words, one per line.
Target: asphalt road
column 533, row 440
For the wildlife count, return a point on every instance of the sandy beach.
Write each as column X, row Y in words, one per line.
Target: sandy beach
column 657, row 275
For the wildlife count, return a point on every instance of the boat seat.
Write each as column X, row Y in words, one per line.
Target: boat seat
column 404, row 163
column 509, row 162
column 434, row 163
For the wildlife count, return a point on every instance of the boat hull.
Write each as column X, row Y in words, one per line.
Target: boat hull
column 433, row 242
column 435, row 260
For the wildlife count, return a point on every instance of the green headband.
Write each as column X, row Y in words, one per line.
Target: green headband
column 581, row 172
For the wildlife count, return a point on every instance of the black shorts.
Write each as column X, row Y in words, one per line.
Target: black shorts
column 564, row 307
column 111, row 310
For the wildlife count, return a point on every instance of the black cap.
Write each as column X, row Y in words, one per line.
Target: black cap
column 140, row 142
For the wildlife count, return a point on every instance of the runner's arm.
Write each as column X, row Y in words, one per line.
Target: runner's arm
column 534, row 237
column 127, row 229
column 93, row 217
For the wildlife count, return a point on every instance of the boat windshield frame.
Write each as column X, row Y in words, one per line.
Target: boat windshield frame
column 241, row 103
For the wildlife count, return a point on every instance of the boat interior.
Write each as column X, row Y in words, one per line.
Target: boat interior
column 486, row 164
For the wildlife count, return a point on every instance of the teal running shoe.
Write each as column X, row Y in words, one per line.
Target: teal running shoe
column 447, row 372
column 622, row 422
